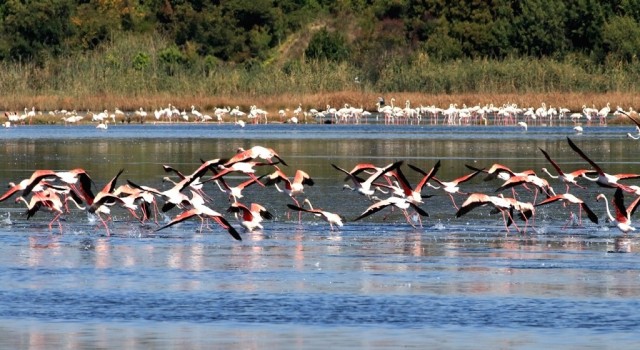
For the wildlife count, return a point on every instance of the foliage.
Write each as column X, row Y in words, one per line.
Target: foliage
column 382, row 42
column 327, row 45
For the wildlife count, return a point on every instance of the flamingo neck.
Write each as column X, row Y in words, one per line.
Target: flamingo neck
column 548, row 173
column 606, row 204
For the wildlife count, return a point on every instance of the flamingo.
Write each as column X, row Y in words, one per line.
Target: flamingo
column 453, row 186
column 105, row 198
column 235, row 192
column 500, row 171
column 331, row 218
column 245, row 167
column 636, row 122
column 253, row 153
column 141, row 114
column 104, row 125
column 202, row 211
column 197, row 114
column 27, row 185
column 415, row 194
column 578, row 129
column 291, row 187
column 567, row 178
column 476, row 200
column 251, row 217
column 72, row 177
column 540, row 184
column 130, row 196
column 623, row 215
column 523, row 125
column 401, row 203
column 568, row 197
column 604, row 113
column 364, row 187
column 604, row 179
column 47, row 199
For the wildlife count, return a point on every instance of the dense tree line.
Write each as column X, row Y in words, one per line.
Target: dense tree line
column 367, row 33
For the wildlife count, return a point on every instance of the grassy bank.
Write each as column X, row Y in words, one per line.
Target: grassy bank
column 148, row 72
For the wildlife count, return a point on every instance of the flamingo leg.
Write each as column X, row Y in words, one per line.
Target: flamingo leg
column 453, row 201
column 105, row 224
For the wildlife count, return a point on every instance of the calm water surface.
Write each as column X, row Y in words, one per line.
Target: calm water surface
column 375, row 283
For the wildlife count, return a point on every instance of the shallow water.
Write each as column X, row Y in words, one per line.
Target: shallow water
column 375, row 283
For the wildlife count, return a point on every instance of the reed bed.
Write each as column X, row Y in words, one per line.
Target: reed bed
column 148, row 72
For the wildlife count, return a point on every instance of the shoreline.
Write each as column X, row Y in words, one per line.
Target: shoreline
column 288, row 102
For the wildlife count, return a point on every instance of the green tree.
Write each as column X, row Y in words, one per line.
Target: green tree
column 585, row 19
column 33, row 28
column 621, row 38
column 537, row 24
column 327, row 45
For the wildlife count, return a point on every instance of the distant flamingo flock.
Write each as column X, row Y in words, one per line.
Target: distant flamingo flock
column 382, row 188
column 506, row 114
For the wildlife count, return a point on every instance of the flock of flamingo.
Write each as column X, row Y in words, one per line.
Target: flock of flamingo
column 507, row 114
column 50, row 190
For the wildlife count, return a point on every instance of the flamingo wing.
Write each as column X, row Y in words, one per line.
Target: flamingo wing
column 227, row 226
column 554, row 164
column 592, row 216
column 374, row 208
column 584, row 156
column 185, row 215
column 426, row 176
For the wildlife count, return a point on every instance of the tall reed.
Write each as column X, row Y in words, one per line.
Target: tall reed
column 133, row 72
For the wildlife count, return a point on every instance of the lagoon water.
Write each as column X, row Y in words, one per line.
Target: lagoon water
column 375, row 283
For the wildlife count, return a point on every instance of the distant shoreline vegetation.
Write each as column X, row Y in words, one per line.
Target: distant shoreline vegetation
column 279, row 54
column 149, row 72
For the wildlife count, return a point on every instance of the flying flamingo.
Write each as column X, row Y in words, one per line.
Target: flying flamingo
column 623, row 215
column 291, row 187
column 250, row 217
column 540, row 184
column 500, row 203
column 253, row 153
column 568, row 197
column 202, row 211
column 364, row 187
column 45, row 199
column 501, row 172
column 604, row 179
column 245, row 167
column 567, row 178
column 331, row 218
column 27, row 185
column 453, row 186
column 401, row 203
column 235, row 192
column 105, row 198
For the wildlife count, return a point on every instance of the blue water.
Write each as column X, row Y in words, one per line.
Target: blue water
column 375, row 283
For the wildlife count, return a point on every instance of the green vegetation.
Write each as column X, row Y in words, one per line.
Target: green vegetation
column 78, row 48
